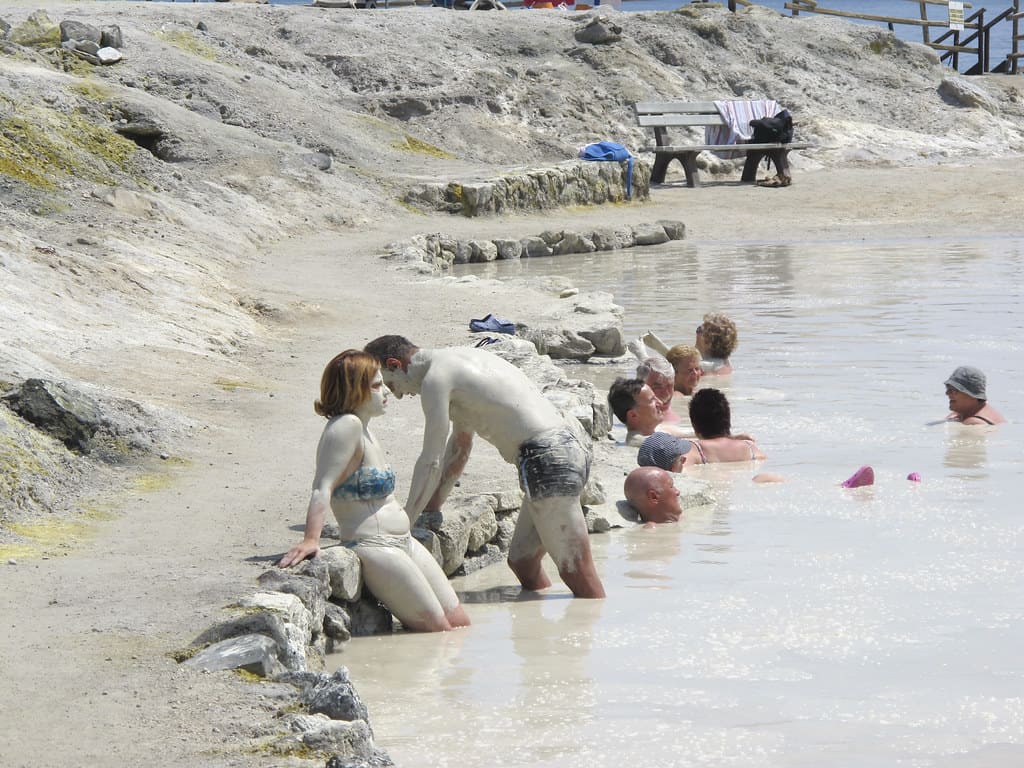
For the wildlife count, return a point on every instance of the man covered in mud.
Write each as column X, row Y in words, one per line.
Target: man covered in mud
column 654, row 496
column 636, row 405
column 468, row 391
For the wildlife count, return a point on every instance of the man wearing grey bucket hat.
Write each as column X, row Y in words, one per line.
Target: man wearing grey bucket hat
column 968, row 403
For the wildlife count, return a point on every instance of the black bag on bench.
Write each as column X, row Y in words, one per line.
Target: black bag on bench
column 771, row 130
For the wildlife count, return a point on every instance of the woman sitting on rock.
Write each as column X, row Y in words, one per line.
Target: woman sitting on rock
column 716, row 340
column 355, row 482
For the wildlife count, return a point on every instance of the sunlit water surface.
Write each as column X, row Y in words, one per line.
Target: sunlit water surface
column 798, row 624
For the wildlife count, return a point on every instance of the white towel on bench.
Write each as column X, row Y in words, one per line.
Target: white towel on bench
column 737, row 116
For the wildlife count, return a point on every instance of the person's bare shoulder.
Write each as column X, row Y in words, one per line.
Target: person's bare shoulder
column 344, row 427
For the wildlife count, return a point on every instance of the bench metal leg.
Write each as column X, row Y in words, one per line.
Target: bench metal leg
column 661, row 162
column 689, row 161
column 750, row 166
column 780, row 159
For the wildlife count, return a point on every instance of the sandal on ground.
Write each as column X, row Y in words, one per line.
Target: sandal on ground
column 775, row 181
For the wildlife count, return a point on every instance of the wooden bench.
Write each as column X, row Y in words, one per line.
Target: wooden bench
column 662, row 115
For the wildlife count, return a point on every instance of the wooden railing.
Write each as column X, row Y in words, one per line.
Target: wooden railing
column 1016, row 39
column 972, row 41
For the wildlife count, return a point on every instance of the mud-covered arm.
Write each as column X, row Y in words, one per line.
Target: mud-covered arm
column 426, row 477
column 456, row 454
column 337, row 456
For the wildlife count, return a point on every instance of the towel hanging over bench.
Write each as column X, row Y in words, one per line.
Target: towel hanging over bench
column 737, row 116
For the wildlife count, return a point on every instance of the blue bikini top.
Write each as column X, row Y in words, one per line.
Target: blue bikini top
column 367, row 483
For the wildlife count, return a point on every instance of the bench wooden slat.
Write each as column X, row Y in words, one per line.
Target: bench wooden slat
column 730, row 147
column 651, row 121
column 673, row 107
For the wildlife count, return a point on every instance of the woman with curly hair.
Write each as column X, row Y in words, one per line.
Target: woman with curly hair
column 716, row 340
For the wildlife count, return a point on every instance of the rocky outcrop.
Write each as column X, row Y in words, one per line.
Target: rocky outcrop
column 585, row 326
column 599, row 30
column 575, row 182
column 578, row 329
column 94, row 45
column 108, row 428
column 97, row 46
column 961, row 93
column 436, row 252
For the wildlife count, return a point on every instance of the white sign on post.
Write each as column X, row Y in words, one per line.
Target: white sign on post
column 956, row 15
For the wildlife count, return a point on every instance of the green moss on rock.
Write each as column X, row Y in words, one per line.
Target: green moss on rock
column 39, row 145
column 412, row 144
column 37, row 31
column 186, row 41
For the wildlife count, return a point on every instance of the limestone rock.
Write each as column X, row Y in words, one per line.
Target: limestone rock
column 596, row 523
column 593, row 494
column 337, row 622
column 649, row 234
column 369, row 617
column 676, row 230
column 335, row 696
column 463, row 524
column 80, row 32
column 111, row 37
column 612, row 238
column 573, row 242
column 477, row 196
column 280, row 616
column 557, row 344
column 295, row 628
column 574, row 182
column 956, row 90
column 534, row 247
column 462, row 253
column 311, row 591
column 508, row 249
column 108, row 55
column 321, row 734
column 253, row 653
column 489, row 555
column 345, row 572
column 482, row 251
column 503, row 501
column 598, row 31
column 58, row 410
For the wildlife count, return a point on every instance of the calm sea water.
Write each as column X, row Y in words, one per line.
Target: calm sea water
column 797, row 625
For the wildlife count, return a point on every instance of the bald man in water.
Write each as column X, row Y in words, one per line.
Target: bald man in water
column 651, row 492
column 468, row 391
